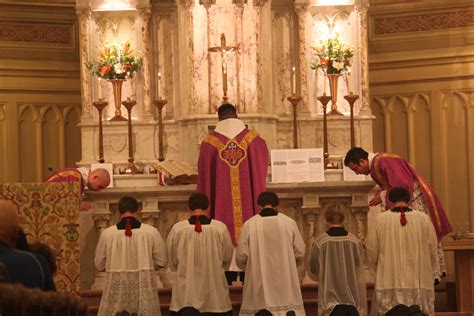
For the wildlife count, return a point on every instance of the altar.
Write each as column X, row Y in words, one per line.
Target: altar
column 184, row 59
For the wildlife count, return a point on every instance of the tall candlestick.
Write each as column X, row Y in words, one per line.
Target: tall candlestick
column 293, row 82
column 100, row 88
column 158, row 85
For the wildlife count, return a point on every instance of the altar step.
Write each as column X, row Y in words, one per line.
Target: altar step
column 309, row 293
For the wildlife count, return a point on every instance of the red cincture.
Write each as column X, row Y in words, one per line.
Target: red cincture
column 197, row 225
column 128, row 228
column 403, row 219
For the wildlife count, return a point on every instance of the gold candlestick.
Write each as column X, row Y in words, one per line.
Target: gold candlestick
column 324, row 99
column 160, row 105
column 351, row 98
column 100, row 106
column 294, row 100
column 131, row 168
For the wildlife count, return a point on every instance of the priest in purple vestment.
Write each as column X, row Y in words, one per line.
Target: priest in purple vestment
column 232, row 167
column 390, row 171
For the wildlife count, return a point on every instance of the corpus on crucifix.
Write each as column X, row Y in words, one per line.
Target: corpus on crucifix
column 225, row 52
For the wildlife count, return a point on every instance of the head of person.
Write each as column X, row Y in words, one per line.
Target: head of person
column 98, row 179
column 334, row 217
column 399, row 196
column 198, row 202
column 226, row 111
column 128, row 206
column 357, row 159
column 268, row 199
column 8, row 223
column 47, row 253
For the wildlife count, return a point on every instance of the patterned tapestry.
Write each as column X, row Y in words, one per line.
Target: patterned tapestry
column 49, row 213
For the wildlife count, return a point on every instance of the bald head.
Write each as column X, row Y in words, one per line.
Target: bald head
column 98, row 179
column 8, row 223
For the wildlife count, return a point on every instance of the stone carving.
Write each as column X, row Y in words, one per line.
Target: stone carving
column 423, row 22
column 144, row 13
column 362, row 8
column 84, row 16
column 301, row 12
column 32, row 33
column 116, row 142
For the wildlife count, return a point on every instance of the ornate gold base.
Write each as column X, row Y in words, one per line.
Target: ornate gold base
column 131, row 169
column 335, row 112
column 118, row 118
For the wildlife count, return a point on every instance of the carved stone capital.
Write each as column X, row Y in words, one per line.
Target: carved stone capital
column 144, row 13
column 187, row 4
column 83, row 14
column 150, row 217
column 101, row 221
column 301, row 9
column 362, row 6
column 259, row 3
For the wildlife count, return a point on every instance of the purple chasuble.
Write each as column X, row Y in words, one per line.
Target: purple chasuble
column 390, row 171
column 232, row 173
column 68, row 175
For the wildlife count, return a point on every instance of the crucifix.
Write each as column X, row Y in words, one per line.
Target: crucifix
column 225, row 52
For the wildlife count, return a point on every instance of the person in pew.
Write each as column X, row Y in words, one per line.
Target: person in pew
column 130, row 253
column 200, row 249
column 390, row 171
column 269, row 249
column 337, row 262
column 26, row 268
column 402, row 247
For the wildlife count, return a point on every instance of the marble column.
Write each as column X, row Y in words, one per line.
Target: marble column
column 258, row 5
column 144, row 14
column 188, row 23
column 301, row 13
column 362, row 8
column 240, row 95
column 84, row 18
column 101, row 217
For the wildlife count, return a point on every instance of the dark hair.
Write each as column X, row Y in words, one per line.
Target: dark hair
column 128, row 204
column 198, row 201
column 48, row 253
column 354, row 155
column 399, row 194
column 334, row 216
column 268, row 198
column 226, row 110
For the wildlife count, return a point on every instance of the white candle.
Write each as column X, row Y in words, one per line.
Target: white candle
column 158, row 85
column 324, row 85
column 293, row 82
column 100, row 88
column 349, row 85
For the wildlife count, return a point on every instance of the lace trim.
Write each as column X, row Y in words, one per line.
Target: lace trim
column 273, row 309
column 135, row 292
column 385, row 300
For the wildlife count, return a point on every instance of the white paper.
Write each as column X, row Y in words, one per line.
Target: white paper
column 107, row 166
column 297, row 165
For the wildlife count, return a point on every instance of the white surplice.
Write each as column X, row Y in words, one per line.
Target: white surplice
column 405, row 259
column 199, row 260
column 338, row 264
column 130, row 265
column 268, row 251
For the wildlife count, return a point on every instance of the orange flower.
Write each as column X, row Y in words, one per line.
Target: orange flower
column 128, row 66
column 323, row 62
column 104, row 70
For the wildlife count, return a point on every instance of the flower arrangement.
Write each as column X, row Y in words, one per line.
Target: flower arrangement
column 332, row 56
column 116, row 61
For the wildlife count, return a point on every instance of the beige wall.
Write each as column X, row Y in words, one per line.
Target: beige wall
column 422, row 89
column 39, row 90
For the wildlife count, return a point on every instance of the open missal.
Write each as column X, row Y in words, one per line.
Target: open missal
column 175, row 172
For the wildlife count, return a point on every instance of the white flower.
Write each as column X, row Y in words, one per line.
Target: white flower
column 119, row 69
column 337, row 65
